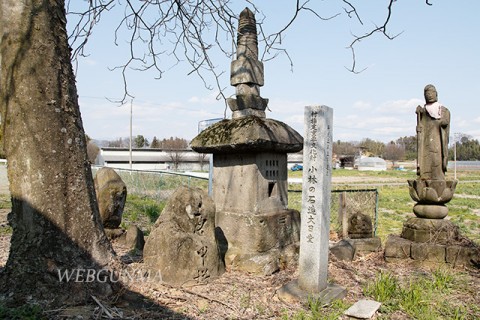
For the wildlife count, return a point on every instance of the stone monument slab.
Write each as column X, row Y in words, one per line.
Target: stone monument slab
column 315, row 215
column 317, row 177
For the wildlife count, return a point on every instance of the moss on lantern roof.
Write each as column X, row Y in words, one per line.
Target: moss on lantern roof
column 248, row 134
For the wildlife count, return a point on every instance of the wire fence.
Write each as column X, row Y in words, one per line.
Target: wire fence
column 160, row 185
column 344, row 205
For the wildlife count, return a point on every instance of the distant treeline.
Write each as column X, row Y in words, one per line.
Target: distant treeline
column 405, row 148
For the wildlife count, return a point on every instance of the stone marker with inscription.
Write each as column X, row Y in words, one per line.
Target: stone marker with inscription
column 315, row 215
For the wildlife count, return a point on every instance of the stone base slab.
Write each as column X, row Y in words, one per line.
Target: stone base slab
column 432, row 231
column 366, row 245
column 397, row 248
column 265, row 263
column 292, row 292
column 259, row 243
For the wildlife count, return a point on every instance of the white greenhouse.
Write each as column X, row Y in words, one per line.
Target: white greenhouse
column 371, row 164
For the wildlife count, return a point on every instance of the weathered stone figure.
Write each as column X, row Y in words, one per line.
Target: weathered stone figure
column 182, row 245
column 111, row 196
column 433, row 128
column 431, row 191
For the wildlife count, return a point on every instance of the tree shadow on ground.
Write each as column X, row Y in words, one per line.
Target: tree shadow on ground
column 48, row 268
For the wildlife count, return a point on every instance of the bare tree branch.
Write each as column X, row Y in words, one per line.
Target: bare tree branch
column 162, row 33
column 382, row 29
column 86, row 20
column 352, row 10
column 276, row 38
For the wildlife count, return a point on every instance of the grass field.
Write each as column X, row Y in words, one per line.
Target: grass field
column 395, row 204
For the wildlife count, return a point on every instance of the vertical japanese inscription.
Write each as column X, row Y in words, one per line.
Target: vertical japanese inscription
column 315, row 221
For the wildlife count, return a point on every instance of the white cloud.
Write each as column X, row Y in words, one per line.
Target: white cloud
column 362, row 105
column 400, row 106
column 279, row 106
column 297, row 119
column 212, row 98
column 104, row 120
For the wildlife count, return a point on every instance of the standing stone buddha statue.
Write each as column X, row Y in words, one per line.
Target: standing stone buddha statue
column 433, row 129
column 431, row 190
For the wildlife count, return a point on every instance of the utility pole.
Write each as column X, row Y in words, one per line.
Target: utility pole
column 455, row 159
column 130, row 144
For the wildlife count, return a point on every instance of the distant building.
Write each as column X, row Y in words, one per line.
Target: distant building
column 153, row 159
column 160, row 159
column 371, row 164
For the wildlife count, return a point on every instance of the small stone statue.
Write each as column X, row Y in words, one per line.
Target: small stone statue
column 431, row 191
column 360, row 226
column 433, row 128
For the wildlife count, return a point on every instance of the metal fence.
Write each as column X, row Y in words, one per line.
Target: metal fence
column 345, row 203
column 160, row 185
column 348, row 202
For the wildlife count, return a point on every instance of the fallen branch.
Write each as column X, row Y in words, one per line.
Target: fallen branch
column 201, row 296
column 109, row 315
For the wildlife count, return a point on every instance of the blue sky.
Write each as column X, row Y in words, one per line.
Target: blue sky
column 438, row 44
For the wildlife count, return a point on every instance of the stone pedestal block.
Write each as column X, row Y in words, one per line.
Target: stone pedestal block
column 266, row 231
column 463, row 256
column 292, row 292
column 397, row 248
column 428, row 252
column 429, row 230
column 265, row 263
column 267, row 236
column 447, row 250
column 366, row 245
column 343, row 250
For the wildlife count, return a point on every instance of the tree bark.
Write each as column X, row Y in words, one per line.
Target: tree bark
column 55, row 218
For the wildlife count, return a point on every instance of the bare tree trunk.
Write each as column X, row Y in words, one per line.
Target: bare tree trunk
column 55, row 219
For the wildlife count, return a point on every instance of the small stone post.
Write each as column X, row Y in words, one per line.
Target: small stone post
column 342, row 214
column 315, row 216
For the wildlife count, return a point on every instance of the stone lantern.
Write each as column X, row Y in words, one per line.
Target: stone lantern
column 250, row 187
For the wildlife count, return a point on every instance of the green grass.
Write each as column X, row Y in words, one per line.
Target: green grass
column 141, row 211
column 5, row 201
column 157, row 184
column 395, row 204
column 315, row 310
column 421, row 296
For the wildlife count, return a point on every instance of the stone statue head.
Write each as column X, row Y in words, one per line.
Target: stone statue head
column 430, row 93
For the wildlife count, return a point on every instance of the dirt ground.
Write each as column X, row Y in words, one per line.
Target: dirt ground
column 237, row 295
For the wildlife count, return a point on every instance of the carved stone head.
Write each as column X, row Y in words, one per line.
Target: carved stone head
column 430, row 93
